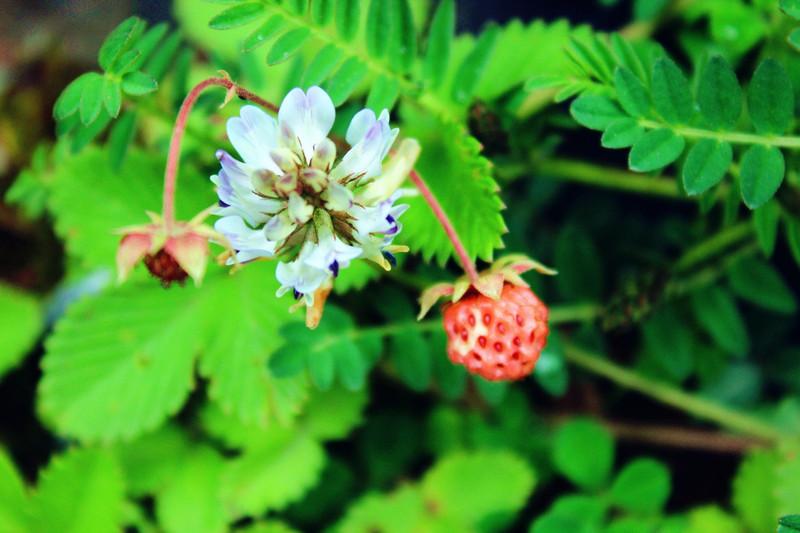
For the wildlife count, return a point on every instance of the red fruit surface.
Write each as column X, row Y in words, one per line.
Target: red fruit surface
column 165, row 267
column 497, row 339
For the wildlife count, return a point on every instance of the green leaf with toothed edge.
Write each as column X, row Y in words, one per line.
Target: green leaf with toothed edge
column 461, row 181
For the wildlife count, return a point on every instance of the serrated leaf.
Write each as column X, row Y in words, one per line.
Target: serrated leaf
column 622, row 133
column 771, row 98
column 440, row 35
column 80, row 491
column 631, row 92
column 472, row 67
column 20, row 324
column 14, row 508
column 271, row 475
column 717, row 314
column 264, row 32
column 70, row 98
column 481, row 490
column 120, row 138
column 595, row 112
column 461, row 181
column 719, row 95
column 672, row 97
column 384, row 93
column 91, row 99
column 379, row 23
column 322, row 11
column 403, row 42
column 118, row 40
column 758, row 282
column 347, row 18
column 707, row 163
column 790, row 7
column 150, row 461
column 112, row 99
column 761, row 172
column 643, row 486
column 346, row 78
column 765, row 220
column 411, row 357
column 584, row 452
column 375, row 511
column 138, row 83
column 287, row 44
column 190, row 501
column 656, row 149
column 237, row 15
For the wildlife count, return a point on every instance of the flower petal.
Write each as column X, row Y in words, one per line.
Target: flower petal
column 309, row 116
column 253, row 134
column 191, row 252
column 365, row 157
column 330, row 253
column 249, row 243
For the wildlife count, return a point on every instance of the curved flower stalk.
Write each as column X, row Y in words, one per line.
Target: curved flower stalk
column 290, row 199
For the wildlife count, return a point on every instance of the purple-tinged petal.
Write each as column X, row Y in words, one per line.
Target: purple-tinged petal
column 253, row 135
column 310, row 116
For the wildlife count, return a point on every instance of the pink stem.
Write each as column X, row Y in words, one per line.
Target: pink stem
column 180, row 127
column 440, row 215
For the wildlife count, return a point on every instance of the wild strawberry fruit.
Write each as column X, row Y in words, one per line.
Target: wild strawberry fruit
column 497, row 339
column 495, row 325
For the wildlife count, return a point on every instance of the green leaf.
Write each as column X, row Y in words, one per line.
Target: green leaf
column 717, row 314
column 595, row 112
column 411, row 356
column 771, row 98
column 461, row 181
column 440, row 35
column 671, row 94
column 754, row 490
column 794, row 38
column 118, row 40
column 14, row 506
column 546, row 81
column 627, row 56
column 82, row 136
column 584, row 452
column 790, row 7
column 112, row 97
column 347, row 18
column 622, row 133
column 287, row 44
column 332, row 414
column 450, row 379
column 765, row 220
column 711, row 519
column 578, row 263
column 264, row 32
column 322, row 65
column 789, row 524
column 346, row 79
column 483, row 490
column 190, row 501
column 551, row 368
column 80, row 491
column 793, row 237
column 758, row 282
column 472, row 67
column 643, row 486
column 761, row 174
column 120, row 138
column 20, row 324
column 272, row 473
column 587, row 58
column 719, row 94
column 656, row 149
column 573, row 512
column 70, row 98
column 237, row 15
column 403, row 41
column 631, row 92
column 160, row 61
column 322, row 11
column 152, row 460
column 145, row 45
column 379, row 20
column 669, row 344
column 404, row 508
column 138, row 83
column 384, row 93
column 707, row 163
column 92, row 99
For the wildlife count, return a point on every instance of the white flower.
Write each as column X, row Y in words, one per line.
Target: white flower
column 289, row 194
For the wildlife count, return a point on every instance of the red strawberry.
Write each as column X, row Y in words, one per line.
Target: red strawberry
column 497, row 339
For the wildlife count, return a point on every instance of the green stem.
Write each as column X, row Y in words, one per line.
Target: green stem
column 694, row 405
column 608, row 178
column 729, row 136
column 581, row 312
column 712, row 246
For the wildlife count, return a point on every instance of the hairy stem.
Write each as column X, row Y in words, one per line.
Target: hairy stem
column 441, row 216
column 669, row 395
column 179, row 129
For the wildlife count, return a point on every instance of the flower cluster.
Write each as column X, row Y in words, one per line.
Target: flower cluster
column 291, row 200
